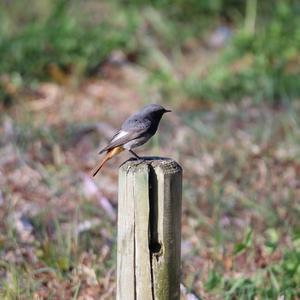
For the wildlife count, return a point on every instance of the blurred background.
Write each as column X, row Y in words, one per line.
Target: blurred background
column 71, row 71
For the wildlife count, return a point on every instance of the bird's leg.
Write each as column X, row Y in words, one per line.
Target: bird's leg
column 132, row 152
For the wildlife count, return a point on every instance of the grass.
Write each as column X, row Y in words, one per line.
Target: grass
column 58, row 44
column 260, row 60
column 58, row 257
column 260, row 63
column 250, row 242
column 241, row 228
column 240, row 210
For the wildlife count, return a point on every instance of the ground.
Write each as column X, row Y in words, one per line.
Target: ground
column 241, row 189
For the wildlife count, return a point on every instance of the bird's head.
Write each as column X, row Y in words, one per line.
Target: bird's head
column 154, row 110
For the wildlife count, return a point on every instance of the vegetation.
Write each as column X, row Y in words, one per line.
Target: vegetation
column 74, row 69
column 260, row 61
column 60, row 42
column 263, row 63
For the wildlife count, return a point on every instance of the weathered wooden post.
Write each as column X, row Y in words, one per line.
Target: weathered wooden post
column 149, row 230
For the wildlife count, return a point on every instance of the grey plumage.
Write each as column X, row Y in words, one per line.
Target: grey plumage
column 138, row 128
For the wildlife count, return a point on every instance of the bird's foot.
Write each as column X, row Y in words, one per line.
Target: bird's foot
column 135, row 155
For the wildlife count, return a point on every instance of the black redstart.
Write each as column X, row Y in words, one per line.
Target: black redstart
column 135, row 131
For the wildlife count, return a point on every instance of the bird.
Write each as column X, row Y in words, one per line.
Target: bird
column 135, row 131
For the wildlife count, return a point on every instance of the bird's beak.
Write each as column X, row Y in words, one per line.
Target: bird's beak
column 167, row 110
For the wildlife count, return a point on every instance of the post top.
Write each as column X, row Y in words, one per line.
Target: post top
column 168, row 165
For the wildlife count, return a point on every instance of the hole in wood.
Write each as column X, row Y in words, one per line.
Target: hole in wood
column 154, row 245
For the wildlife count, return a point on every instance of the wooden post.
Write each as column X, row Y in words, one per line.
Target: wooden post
column 149, row 230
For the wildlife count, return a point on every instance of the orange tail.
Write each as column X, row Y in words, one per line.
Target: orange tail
column 108, row 156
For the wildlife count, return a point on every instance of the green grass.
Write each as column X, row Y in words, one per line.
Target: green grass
column 240, row 210
column 263, row 65
column 247, row 230
column 260, row 61
column 280, row 279
column 59, row 253
column 60, row 42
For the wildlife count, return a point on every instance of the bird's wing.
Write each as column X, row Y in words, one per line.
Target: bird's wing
column 131, row 129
